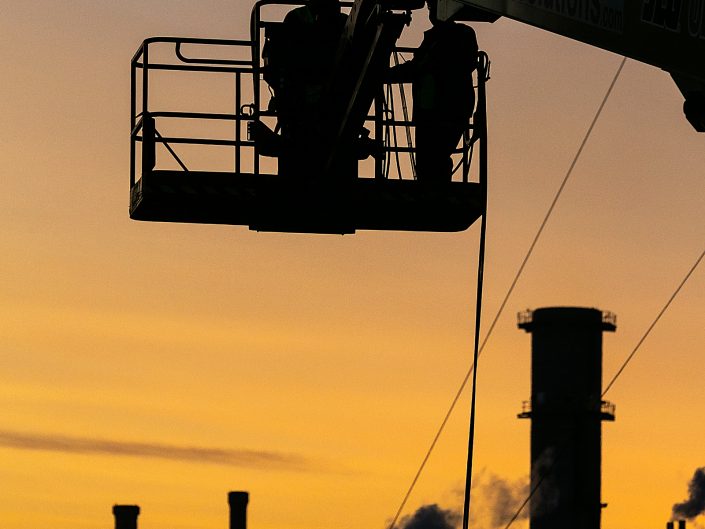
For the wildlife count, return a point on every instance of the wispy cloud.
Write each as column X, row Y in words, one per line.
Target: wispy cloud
column 196, row 454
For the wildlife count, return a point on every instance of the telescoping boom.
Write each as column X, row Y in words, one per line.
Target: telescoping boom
column 668, row 34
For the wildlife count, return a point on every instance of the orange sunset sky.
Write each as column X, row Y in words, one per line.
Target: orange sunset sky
column 325, row 364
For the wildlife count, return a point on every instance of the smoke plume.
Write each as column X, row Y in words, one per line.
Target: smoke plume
column 219, row 456
column 431, row 517
column 495, row 501
column 695, row 504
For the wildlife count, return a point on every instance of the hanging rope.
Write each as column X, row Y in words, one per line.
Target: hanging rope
column 476, row 355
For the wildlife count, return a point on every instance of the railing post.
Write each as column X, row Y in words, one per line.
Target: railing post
column 466, row 157
column 238, row 123
column 255, row 35
column 145, row 79
column 133, row 110
column 482, row 100
column 379, row 131
column 149, row 154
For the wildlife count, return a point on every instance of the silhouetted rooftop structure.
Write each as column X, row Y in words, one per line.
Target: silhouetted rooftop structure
column 126, row 515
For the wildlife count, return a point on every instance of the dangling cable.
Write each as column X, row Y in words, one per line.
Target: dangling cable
column 476, row 345
column 480, row 281
column 501, row 308
column 477, row 348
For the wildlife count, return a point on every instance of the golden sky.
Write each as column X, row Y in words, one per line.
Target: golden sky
column 323, row 365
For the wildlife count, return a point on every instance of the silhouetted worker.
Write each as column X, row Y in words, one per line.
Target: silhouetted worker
column 444, row 97
column 299, row 59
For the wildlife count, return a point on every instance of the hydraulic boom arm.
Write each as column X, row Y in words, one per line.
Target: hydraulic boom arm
column 669, row 34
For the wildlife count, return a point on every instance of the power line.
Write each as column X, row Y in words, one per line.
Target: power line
column 508, row 294
column 618, row 374
column 653, row 324
column 528, row 498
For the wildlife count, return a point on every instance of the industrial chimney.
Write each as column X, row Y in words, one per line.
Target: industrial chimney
column 566, row 410
column 126, row 516
column 238, row 509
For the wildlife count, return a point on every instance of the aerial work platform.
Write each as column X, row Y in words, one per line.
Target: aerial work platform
column 272, row 203
column 174, row 178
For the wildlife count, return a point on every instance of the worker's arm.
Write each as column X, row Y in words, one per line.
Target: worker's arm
column 402, row 73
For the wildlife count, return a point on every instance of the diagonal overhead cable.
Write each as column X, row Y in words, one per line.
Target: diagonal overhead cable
column 502, row 306
column 653, row 324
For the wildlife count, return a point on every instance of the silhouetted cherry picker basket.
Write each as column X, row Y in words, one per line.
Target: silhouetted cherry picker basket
column 216, row 162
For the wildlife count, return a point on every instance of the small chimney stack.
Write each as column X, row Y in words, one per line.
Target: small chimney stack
column 238, row 509
column 126, row 516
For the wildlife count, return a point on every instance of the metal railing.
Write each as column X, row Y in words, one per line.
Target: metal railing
column 526, row 317
column 609, row 318
column 238, row 68
column 246, row 69
column 525, row 407
column 606, row 408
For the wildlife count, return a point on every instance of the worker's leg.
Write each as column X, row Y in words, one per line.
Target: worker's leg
column 435, row 143
column 430, row 163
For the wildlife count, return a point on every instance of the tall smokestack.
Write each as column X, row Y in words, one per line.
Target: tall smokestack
column 566, row 411
column 238, row 509
column 126, row 516
column 669, row 525
column 681, row 524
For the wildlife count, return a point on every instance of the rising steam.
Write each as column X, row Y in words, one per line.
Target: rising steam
column 503, row 499
column 495, row 500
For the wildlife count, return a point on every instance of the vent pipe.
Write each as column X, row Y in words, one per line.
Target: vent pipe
column 126, row 516
column 238, row 509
